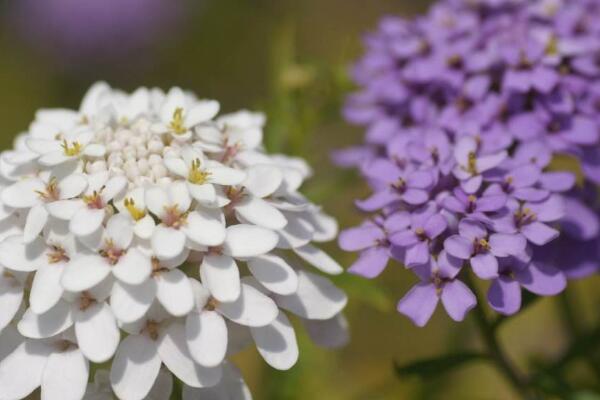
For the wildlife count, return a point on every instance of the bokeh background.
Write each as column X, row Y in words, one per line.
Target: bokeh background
column 290, row 59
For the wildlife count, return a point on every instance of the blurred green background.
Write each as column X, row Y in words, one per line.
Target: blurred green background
column 290, row 58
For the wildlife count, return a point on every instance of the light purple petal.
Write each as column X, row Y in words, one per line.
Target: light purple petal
column 558, row 181
column 371, row 262
column 539, row 233
column 549, row 210
column 472, row 184
column 542, row 279
column 417, row 254
column 360, row 238
column 530, row 194
column 397, row 221
column 459, row 247
column 419, row 303
column 504, row 245
column 485, row 266
column 504, row 295
column 404, row 238
column 415, row 196
column 377, row 200
column 449, row 266
column 492, row 202
column 435, row 226
column 457, row 299
column 471, row 229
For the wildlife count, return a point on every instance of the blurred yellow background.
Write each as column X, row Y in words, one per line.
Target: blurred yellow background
column 290, row 59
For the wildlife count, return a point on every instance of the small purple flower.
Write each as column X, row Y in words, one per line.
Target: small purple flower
column 470, row 165
column 475, row 205
column 438, row 282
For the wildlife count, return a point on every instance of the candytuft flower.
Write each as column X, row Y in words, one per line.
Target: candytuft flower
column 125, row 233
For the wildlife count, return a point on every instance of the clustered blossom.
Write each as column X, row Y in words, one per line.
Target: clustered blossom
column 144, row 231
column 465, row 109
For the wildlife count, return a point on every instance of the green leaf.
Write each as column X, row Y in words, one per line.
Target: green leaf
column 433, row 367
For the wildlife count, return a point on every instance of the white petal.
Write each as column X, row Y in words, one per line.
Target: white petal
column 277, row 343
column 156, row 200
column 52, row 322
column 263, row 180
column 97, row 332
column 18, row 256
column 176, row 166
column 297, row 233
column 325, row 226
column 65, row 376
column 163, row 387
column 174, row 292
column 252, row 308
column 231, row 387
column 206, row 335
column 226, row 176
column 135, row 367
column 43, row 146
column 23, row 194
column 330, row 333
column 36, row 220
column 94, row 150
column 11, row 297
column 131, row 302
column 86, row 221
column 21, row 372
column 144, row 228
column 65, row 209
column 259, row 212
column 167, row 242
column 174, row 353
column 249, row 241
column 205, row 228
column 202, row 111
column 179, row 195
column 84, row 272
column 319, row 259
column 10, row 339
column 133, row 268
column 113, row 187
column 205, row 194
column 46, row 289
column 119, row 230
column 72, row 186
column 274, row 274
column 54, row 158
column 220, row 274
column 316, row 298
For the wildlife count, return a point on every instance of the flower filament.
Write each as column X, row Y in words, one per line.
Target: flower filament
column 174, row 218
column 197, row 175
column 71, row 150
column 51, row 193
column 111, row 252
column 94, row 201
column 135, row 212
column 57, row 254
column 177, row 122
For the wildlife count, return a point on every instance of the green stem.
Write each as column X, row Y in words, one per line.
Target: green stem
column 501, row 360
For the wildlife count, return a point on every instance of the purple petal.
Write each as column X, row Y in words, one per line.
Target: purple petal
column 371, row 262
column 360, row 238
column 352, row 156
column 417, row 254
column 485, row 163
column 557, row 181
column 491, row 202
column 382, row 170
column 404, row 238
column 419, row 303
column 504, row 295
column 415, row 196
column 472, row 184
column 377, row 200
column 544, row 79
column 525, row 175
column 435, row 226
column 526, row 126
column 464, row 147
column 449, row 266
column 504, row 245
column 471, row 229
column 382, row 130
column 451, row 203
column 459, row 247
column 519, row 81
column 485, row 266
column 583, row 131
column 542, row 279
column 530, row 194
column 549, row 210
column 419, row 179
column 539, row 233
column 580, row 221
column 457, row 299
column 397, row 221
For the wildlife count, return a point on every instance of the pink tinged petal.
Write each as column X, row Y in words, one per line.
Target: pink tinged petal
column 174, row 353
column 205, row 228
column 377, row 200
column 11, row 297
column 97, row 332
column 129, row 303
column 71, row 186
column 319, row 259
column 417, row 254
column 21, row 372
column 65, row 376
column 206, row 335
column 472, row 184
column 404, row 238
column 36, row 220
column 54, row 321
column 259, row 212
column 459, row 247
column 46, row 289
column 135, row 367
column 84, row 272
column 86, row 221
column 64, row 209
column 360, row 238
column 316, row 298
column 277, row 343
column 252, row 308
column 539, row 233
column 220, row 274
column 167, row 243
column 435, row 226
column 133, row 268
column 419, row 303
column 557, row 181
column 23, row 194
column 274, row 274
column 485, row 266
column 457, row 299
column 174, row 292
column 263, row 180
column 331, row 333
column 504, row 245
column 371, row 262
column 542, row 279
column 504, row 295
column 415, row 196
column 18, row 256
column 245, row 240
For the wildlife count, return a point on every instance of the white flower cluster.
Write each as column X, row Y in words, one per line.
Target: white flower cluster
column 144, row 230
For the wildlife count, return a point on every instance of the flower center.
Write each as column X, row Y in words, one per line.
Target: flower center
column 400, row 185
column 94, row 201
column 86, row 301
column 174, row 218
column 72, row 149
column 51, row 193
column 197, row 175
column 177, row 123
column 211, row 304
column 472, row 163
column 135, row 212
column 111, row 252
column 552, row 46
column 471, row 199
column 420, row 232
column 57, row 254
column 524, row 216
column 481, row 245
column 152, row 328
column 157, row 269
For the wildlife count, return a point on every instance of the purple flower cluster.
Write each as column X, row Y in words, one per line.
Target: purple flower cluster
column 466, row 109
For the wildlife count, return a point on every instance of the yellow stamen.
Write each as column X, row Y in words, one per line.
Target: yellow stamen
column 135, row 212
column 197, row 175
column 472, row 163
column 552, row 46
column 177, row 123
column 71, row 150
